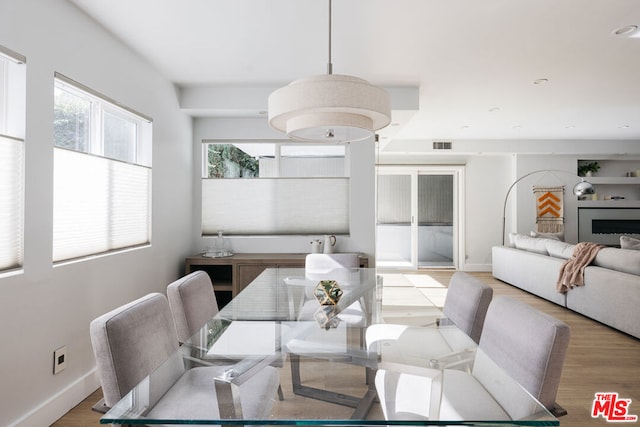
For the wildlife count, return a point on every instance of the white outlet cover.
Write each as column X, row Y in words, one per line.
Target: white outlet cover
column 59, row 360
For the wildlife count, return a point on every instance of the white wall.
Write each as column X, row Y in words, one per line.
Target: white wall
column 44, row 307
column 486, row 183
column 486, row 178
column 492, row 166
column 362, row 195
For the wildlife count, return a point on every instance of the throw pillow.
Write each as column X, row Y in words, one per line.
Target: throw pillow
column 628, row 242
column 623, row 260
column 512, row 240
column 530, row 244
column 554, row 236
column 559, row 249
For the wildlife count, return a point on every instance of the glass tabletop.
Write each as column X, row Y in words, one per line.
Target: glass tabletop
column 276, row 356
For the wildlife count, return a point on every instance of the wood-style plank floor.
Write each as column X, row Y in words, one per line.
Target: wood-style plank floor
column 600, row 359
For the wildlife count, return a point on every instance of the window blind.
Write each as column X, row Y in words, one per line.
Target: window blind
column 100, row 205
column 11, row 202
column 275, row 206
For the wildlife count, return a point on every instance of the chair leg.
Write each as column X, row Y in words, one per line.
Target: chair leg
column 280, row 393
column 294, row 360
column 558, row 411
column 100, row 407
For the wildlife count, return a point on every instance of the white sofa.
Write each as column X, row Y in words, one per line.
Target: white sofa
column 611, row 294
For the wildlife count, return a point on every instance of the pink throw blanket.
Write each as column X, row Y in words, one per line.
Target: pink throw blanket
column 572, row 270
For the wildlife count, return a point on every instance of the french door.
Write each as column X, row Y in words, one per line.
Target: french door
column 418, row 216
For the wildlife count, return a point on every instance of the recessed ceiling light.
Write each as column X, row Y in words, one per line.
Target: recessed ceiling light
column 570, row 127
column 494, row 109
column 623, row 127
column 540, row 81
column 517, row 127
column 464, row 127
column 628, row 30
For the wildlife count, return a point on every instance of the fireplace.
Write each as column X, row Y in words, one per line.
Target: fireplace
column 606, row 225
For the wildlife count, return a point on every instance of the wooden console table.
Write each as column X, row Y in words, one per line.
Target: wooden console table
column 232, row 274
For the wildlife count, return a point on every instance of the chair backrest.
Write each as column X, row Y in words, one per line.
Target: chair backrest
column 130, row 342
column 527, row 344
column 337, row 266
column 193, row 303
column 323, row 263
column 466, row 303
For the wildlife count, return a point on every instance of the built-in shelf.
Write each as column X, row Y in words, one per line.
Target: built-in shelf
column 613, row 180
column 609, row 203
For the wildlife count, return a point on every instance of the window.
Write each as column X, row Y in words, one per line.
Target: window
column 12, row 130
column 102, row 174
column 284, row 188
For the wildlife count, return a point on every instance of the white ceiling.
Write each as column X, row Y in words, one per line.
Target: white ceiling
column 467, row 57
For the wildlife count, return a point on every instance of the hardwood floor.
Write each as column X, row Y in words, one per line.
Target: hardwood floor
column 600, row 359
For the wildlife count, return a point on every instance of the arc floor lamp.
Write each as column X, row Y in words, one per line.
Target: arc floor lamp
column 582, row 188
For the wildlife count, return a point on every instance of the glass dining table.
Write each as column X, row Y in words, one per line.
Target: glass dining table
column 312, row 330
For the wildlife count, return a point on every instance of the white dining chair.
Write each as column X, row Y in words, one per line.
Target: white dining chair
column 465, row 306
column 138, row 338
column 339, row 267
column 521, row 354
column 193, row 304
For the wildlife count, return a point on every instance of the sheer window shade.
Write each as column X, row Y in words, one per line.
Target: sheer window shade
column 12, row 148
column 275, row 206
column 11, row 202
column 99, row 205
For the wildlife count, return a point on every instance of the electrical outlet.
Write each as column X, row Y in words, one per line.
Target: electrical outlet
column 59, row 359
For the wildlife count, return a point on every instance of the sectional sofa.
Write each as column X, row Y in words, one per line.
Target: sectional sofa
column 610, row 295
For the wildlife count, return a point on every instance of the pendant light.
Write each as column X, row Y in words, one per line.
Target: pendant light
column 330, row 107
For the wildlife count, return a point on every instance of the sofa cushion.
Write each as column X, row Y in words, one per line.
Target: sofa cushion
column 559, row 249
column 554, row 236
column 624, row 260
column 627, row 242
column 529, row 244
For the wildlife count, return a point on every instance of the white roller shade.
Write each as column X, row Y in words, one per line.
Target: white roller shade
column 11, row 202
column 275, row 206
column 99, row 205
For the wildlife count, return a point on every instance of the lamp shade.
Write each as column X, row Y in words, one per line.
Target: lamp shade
column 583, row 188
column 329, row 108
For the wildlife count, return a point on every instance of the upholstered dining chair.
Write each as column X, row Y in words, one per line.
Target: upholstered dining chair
column 465, row 306
column 132, row 341
column 193, row 303
column 519, row 345
column 334, row 266
column 466, row 303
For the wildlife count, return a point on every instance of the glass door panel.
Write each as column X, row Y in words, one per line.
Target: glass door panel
column 435, row 215
column 393, row 239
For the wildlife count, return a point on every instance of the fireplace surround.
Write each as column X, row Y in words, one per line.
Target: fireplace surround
column 606, row 225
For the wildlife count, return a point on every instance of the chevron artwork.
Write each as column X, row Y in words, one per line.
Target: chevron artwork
column 549, row 209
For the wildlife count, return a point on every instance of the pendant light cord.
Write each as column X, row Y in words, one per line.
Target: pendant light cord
column 329, row 65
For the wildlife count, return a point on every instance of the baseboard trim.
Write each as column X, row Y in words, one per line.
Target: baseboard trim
column 477, row 267
column 59, row 404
